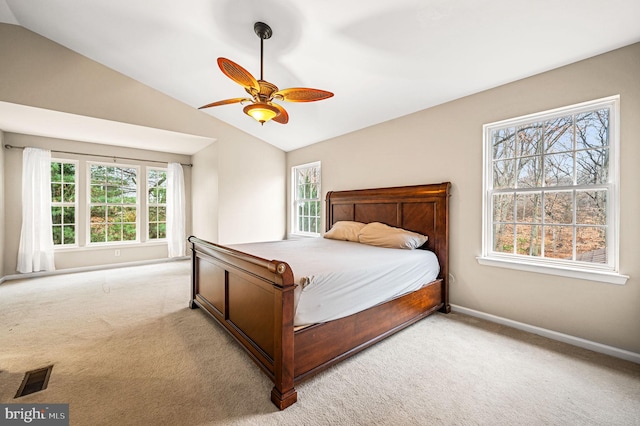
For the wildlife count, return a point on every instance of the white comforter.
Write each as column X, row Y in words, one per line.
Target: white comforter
column 340, row 278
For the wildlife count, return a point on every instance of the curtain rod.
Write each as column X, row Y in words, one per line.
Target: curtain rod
column 114, row 157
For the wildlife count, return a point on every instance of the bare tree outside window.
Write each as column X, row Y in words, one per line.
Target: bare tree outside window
column 549, row 187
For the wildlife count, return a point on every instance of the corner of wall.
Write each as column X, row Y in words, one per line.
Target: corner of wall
column 2, row 204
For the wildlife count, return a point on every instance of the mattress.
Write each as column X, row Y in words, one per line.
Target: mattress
column 338, row 278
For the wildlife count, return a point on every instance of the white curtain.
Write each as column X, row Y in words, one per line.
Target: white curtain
column 36, row 239
column 175, row 210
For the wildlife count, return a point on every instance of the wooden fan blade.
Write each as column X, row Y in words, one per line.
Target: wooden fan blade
column 302, row 94
column 283, row 117
column 238, row 74
column 225, row 102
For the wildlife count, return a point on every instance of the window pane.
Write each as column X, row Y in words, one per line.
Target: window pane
column 153, row 230
column 69, row 192
column 162, row 195
column 114, row 214
column 530, row 139
column 559, row 135
column 98, row 174
column 591, row 207
column 592, row 166
column 98, row 233
column 558, row 169
column 129, row 214
column 69, row 215
column 558, row 207
column 56, row 215
column 504, row 175
column 57, row 234
column 528, row 241
column 591, row 244
column 529, row 172
column 98, row 194
column 129, row 177
column 114, row 194
column 153, row 214
column 114, row 232
column 129, row 232
column 69, row 232
column 504, row 143
column 98, row 214
column 114, row 176
column 503, row 207
column 162, row 214
column 503, row 238
column 162, row 230
column 69, row 172
column 529, row 207
column 129, row 195
column 558, row 242
column 592, row 129
column 56, row 172
column 56, row 192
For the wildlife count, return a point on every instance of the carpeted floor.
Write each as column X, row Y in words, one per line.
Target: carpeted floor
column 127, row 350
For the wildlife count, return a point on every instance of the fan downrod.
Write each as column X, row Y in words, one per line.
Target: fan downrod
column 262, row 30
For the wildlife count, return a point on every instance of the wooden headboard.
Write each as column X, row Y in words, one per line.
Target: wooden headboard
column 420, row 208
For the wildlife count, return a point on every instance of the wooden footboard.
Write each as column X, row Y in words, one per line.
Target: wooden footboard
column 253, row 299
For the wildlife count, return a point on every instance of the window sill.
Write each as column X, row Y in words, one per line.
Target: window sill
column 109, row 246
column 600, row 276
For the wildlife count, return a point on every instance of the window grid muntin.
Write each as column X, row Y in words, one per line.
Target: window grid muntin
column 112, row 208
column 64, row 205
column 495, row 152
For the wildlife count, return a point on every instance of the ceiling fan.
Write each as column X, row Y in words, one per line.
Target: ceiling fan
column 261, row 107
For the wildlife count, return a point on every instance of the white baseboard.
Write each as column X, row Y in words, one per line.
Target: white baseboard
column 566, row 338
column 90, row 268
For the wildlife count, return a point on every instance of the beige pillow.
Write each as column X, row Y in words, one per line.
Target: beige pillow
column 344, row 230
column 381, row 235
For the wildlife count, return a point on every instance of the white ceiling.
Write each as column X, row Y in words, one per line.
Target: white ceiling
column 383, row 59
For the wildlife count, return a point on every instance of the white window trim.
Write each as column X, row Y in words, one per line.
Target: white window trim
column 603, row 273
column 88, row 242
column 294, row 210
column 59, row 247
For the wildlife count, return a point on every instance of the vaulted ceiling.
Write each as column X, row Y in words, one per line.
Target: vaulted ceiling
column 382, row 59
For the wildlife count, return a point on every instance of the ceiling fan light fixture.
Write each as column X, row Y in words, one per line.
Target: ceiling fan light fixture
column 261, row 91
column 261, row 112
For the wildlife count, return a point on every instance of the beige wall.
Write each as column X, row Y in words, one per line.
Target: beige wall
column 444, row 143
column 237, row 185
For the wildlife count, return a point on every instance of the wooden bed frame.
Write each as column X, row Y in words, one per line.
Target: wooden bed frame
column 253, row 297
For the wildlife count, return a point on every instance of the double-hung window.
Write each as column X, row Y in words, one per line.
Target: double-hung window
column 307, row 207
column 551, row 192
column 113, row 203
column 157, row 203
column 64, row 204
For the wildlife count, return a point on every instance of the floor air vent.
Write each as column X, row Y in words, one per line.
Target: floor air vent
column 34, row 381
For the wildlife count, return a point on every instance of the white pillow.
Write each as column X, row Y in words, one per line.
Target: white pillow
column 381, row 235
column 345, row 230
